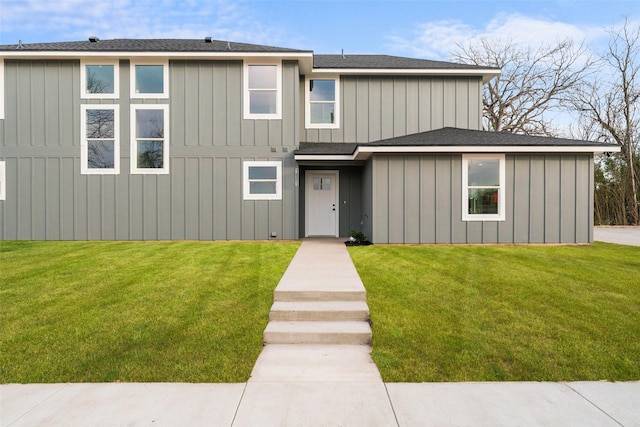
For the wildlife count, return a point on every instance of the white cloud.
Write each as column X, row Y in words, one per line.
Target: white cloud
column 435, row 40
column 34, row 20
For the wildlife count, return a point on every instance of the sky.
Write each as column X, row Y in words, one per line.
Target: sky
column 415, row 28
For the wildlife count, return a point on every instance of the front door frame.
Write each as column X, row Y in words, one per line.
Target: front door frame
column 309, row 174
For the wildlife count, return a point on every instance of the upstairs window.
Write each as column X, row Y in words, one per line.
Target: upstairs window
column 149, row 139
column 99, row 145
column 321, row 107
column 263, row 97
column 149, row 79
column 483, row 187
column 262, row 180
column 99, row 79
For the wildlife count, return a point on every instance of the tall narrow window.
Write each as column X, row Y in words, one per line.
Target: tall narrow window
column 99, row 146
column 149, row 139
column 150, row 79
column 263, row 98
column 262, row 180
column 99, row 79
column 483, row 191
column 322, row 108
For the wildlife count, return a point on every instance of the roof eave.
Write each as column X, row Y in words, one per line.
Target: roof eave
column 487, row 74
column 364, row 151
column 75, row 54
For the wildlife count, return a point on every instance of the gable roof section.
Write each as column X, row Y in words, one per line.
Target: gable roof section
column 145, row 45
column 386, row 61
column 209, row 48
column 450, row 140
column 387, row 64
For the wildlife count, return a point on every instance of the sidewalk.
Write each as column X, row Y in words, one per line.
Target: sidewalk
column 322, row 404
column 622, row 235
column 321, row 385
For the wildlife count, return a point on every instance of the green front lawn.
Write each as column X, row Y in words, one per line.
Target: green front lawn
column 135, row 311
column 503, row 313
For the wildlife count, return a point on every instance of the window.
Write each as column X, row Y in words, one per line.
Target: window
column 263, row 99
column 99, row 144
column 263, row 180
column 483, row 182
column 322, row 108
column 149, row 79
column 322, row 184
column 149, row 139
column 99, row 79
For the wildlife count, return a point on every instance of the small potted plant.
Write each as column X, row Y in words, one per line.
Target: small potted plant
column 357, row 238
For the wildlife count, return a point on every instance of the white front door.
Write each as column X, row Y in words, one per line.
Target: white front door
column 322, row 203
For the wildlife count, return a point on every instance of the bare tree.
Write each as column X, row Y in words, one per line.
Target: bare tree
column 533, row 84
column 609, row 109
column 94, row 84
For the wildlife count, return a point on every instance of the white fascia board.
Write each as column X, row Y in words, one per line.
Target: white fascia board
column 324, row 157
column 487, row 149
column 155, row 54
column 363, row 152
column 1, row 88
column 487, row 74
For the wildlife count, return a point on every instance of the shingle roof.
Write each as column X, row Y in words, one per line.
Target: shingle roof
column 387, row 61
column 147, row 45
column 465, row 137
column 326, row 148
column 449, row 137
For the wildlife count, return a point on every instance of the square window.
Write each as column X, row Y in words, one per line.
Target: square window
column 263, row 102
column 149, row 141
column 263, row 97
column 262, row 180
column 101, row 154
column 99, row 79
column 99, row 145
column 321, row 103
column 483, row 187
column 263, row 77
column 150, row 80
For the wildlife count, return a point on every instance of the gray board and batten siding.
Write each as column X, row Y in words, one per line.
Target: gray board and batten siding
column 418, row 199
column 381, row 107
column 200, row 199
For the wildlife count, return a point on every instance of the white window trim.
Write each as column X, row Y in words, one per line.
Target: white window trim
column 165, row 78
column 247, row 99
column 83, row 79
column 245, row 180
column 134, row 143
column 1, row 88
column 3, row 180
column 84, row 146
column 466, row 216
column 307, row 104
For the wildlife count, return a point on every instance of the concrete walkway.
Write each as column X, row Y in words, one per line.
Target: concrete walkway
column 312, row 384
column 622, row 235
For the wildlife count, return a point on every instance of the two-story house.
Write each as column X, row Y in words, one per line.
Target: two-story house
column 208, row 140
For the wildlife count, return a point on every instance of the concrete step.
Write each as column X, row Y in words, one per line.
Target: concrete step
column 319, row 311
column 320, row 295
column 346, row 332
